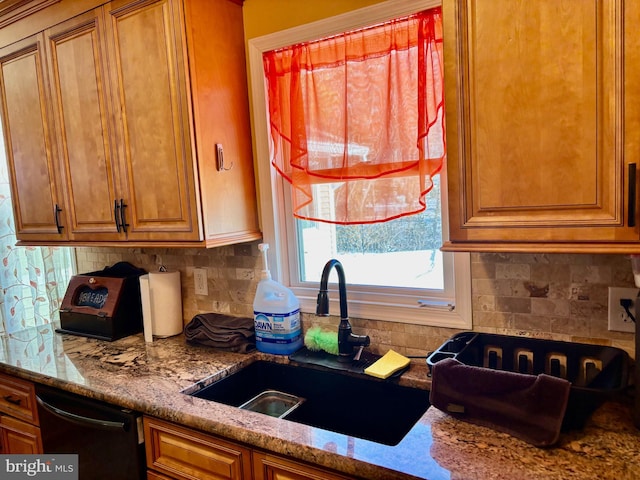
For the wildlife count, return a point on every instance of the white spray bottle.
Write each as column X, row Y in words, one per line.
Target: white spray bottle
column 276, row 314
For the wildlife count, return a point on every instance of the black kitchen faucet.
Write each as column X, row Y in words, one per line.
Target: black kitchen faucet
column 346, row 339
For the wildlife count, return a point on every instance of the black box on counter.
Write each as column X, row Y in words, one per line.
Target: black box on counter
column 596, row 372
column 104, row 304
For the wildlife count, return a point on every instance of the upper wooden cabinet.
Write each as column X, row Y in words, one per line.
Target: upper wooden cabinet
column 138, row 101
column 150, row 79
column 543, row 125
column 84, row 127
column 29, row 139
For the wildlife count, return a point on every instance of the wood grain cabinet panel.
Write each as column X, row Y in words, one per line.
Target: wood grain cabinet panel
column 149, row 73
column 127, row 107
column 19, row 422
column 31, row 154
column 542, row 107
column 83, row 126
column 180, row 452
column 272, row 467
column 18, row 399
column 19, row 437
column 151, row 475
column 218, row 83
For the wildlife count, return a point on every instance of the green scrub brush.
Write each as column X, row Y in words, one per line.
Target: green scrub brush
column 316, row 340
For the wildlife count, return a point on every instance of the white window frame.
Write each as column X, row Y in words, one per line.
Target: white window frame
column 450, row 309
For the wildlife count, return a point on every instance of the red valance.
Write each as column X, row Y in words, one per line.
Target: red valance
column 357, row 120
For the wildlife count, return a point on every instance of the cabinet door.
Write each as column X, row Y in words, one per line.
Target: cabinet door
column 270, row 467
column 149, row 68
column 38, row 205
column 18, row 437
column 221, row 117
column 535, row 104
column 186, row 454
column 80, row 89
column 151, row 475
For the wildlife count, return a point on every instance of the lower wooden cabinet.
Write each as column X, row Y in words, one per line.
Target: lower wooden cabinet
column 19, row 424
column 19, row 437
column 151, row 475
column 182, row 453
column 175, row 452
column 272, row 467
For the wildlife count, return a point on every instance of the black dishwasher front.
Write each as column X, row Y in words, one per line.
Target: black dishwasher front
column 108, row 440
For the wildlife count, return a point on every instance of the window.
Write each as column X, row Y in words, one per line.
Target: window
column 394, row 269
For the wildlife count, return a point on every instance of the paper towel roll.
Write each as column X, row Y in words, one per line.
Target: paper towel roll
column 162, row 307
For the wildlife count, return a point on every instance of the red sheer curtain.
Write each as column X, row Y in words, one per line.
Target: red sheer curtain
column 357, row 121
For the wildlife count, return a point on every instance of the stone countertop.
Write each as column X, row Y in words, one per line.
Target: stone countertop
column 150, row 377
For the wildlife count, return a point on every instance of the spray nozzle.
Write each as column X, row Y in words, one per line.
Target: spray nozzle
column 264, row 247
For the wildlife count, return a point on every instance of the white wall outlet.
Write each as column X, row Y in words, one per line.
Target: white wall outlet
column 619, row 320
column 200, row 281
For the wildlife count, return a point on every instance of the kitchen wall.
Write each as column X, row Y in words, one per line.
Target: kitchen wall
column 561, row 297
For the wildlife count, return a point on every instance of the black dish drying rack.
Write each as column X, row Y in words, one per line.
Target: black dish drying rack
column 597, row 373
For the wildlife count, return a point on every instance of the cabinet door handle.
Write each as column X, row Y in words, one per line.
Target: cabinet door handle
column 631, row 207
column 123, row 221
column 116, row 214
column 56, row 217
column 11, row 399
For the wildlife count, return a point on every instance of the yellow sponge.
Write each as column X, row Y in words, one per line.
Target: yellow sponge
column 386, row 366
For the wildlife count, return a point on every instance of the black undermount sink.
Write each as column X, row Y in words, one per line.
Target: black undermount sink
column 370, row 409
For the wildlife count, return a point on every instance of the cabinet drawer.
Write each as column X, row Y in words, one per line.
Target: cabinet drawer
column 18, row 399
column 183, row 453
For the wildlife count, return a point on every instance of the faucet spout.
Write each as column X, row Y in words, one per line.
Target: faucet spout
column 347, row 340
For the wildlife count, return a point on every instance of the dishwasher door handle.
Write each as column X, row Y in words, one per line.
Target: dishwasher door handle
column 82, row 420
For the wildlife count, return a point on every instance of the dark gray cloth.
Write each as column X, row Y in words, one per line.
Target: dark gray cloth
column 530, row 407
column 225, row 332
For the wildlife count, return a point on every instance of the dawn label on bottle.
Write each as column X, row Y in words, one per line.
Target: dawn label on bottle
column 281, row 328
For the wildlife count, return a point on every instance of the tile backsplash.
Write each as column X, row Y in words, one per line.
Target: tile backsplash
column 552, row 296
